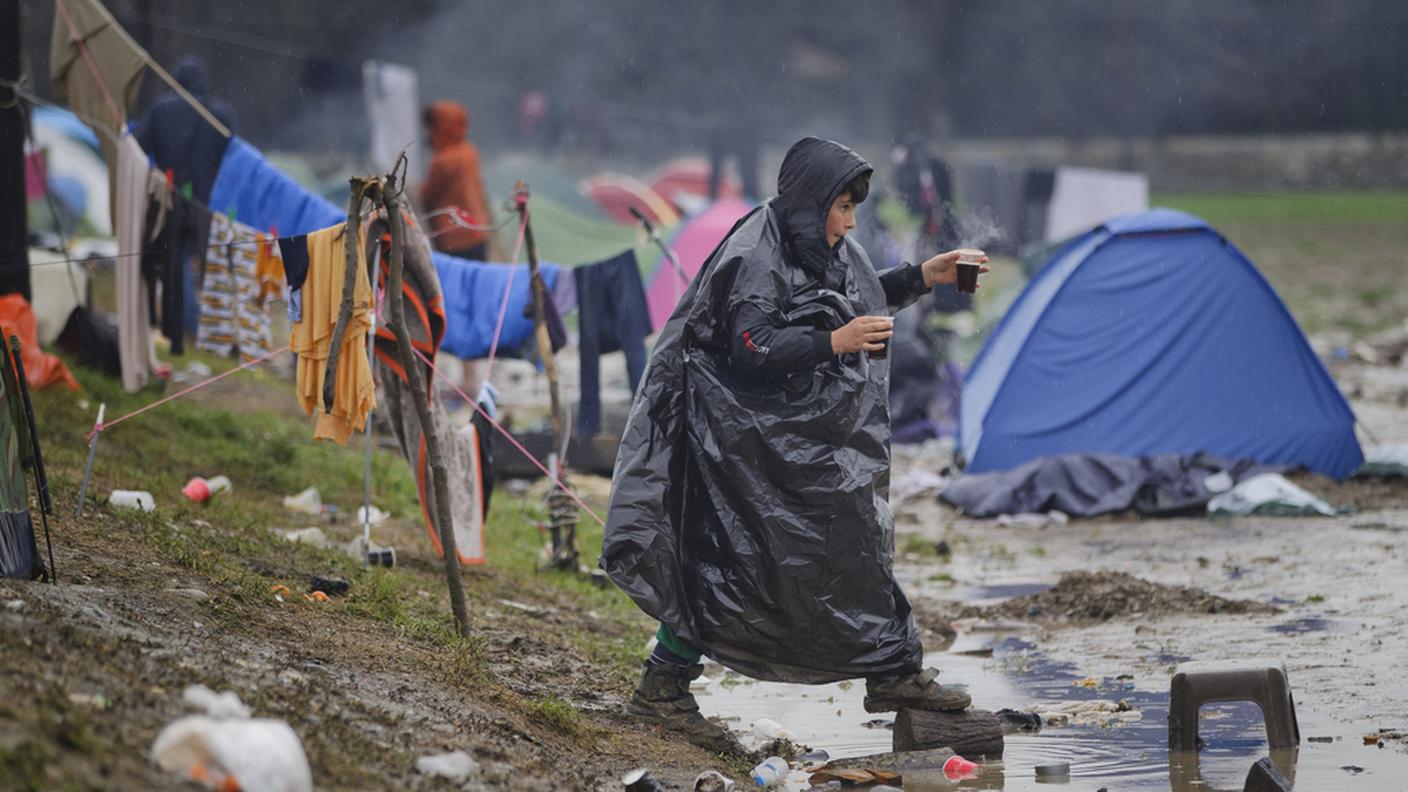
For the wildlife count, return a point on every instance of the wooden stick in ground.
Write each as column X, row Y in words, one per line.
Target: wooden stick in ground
column 391, row 199
column 564, row 551
column 360, row 186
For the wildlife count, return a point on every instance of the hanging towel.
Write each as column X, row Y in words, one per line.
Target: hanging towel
column 473, row 293
column 354, row 394
column 232, row 317
column 131, row 188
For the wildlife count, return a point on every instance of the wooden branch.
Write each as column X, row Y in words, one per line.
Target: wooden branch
column 971, row 733
column 564, row 550
column 391, row 200
column 353, row 230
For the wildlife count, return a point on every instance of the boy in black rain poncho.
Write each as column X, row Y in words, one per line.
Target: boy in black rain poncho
column 749, row 513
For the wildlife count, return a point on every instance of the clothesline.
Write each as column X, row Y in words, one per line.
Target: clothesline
column 512, row 440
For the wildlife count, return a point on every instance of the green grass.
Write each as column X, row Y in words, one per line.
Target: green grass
column 557, row 715
column 1368, row 206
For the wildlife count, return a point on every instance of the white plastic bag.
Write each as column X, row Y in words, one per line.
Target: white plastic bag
column 1269, row 493
column 259, row 754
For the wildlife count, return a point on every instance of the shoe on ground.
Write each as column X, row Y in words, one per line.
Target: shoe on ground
column 913, row 691
column 663, row 699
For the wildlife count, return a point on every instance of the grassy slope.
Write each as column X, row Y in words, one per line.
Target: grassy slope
column 245, row 431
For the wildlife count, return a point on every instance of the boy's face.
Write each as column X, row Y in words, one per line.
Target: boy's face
column 841, row 218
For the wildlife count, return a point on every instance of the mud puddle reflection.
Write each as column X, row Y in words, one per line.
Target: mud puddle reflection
column 1108, row 745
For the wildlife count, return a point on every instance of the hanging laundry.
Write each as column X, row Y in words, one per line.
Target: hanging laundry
column 269, row 270
column 263, row 196
column 94, row 67
column 354, row 394
column 171, row 221
column 612, row 315
column 232, row 317
column 473, row 294
column 294, row 252
column 552, row 317
column 132, row 190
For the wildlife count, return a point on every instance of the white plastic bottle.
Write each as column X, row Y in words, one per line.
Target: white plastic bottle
column 771, row 772
column 769, row 729
column 132, row 499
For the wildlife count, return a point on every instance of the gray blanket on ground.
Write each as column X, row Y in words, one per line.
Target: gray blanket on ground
column 1085, row 485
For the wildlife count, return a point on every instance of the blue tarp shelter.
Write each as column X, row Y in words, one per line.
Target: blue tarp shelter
column 1153, row 334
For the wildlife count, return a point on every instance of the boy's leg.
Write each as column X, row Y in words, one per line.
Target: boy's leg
column 663, row 696
column 670, row 649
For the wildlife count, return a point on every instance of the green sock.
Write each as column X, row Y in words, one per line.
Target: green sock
column 675, row 650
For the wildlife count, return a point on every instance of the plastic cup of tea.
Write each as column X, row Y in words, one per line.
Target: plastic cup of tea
column 969, row 263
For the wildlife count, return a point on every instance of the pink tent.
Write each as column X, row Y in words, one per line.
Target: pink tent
column 696, row 239
column 689, row 176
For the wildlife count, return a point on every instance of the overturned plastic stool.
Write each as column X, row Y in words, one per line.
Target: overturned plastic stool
column 1257, row 680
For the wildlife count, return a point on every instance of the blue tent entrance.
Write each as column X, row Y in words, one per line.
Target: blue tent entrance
column 1153, row 334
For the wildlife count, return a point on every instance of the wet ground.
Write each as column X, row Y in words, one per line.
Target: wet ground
column 1323, row 595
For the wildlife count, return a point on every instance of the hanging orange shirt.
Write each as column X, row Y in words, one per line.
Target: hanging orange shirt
column 354, row 394
column 269, row 269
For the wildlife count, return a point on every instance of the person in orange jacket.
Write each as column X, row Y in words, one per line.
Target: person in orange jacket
column 454, row 182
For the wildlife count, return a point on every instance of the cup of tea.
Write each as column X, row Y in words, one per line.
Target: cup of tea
column 969, row 263
column 884, row 349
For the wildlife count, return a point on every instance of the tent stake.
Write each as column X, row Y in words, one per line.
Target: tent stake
column 92, row 452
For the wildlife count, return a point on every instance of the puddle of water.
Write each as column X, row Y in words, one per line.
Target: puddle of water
column 1305, row 625
column 988, row 595
column 1120, row 755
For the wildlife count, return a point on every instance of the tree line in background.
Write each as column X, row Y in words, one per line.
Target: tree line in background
column 668, row 74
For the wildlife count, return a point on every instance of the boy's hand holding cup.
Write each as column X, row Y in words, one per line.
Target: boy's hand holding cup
column 863, row 334
column 958, row 267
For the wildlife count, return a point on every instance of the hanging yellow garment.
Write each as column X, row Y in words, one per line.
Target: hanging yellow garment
column 354, row 394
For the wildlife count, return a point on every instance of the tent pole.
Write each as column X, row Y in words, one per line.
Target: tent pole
column 41, row 479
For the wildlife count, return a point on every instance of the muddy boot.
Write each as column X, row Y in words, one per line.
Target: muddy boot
column 915, row 691
column 663, row 698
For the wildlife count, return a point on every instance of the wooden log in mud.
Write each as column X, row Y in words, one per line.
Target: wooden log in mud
column 972, row 733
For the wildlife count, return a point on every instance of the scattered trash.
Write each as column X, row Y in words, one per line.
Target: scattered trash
column 1015, row 721
column 216, row 705
column 200, row 490
column 1088, row 682
column 14, row 605
column 238, row 753
column 1053, row 770
column 1219, row 482
column 378, row 556
column 194, row 371
column 313, row 536
column 916, row 483
column 224, row 749
column 768, row 729
column 1052, row 719
column 957, row 768
column 316, row 596
column 189, row 593
column 771, row 772
column 1033, row 519
column 279, row 591
column 1320, row 739
column 90, row 700
column 853, row 776
column 457, row 766
column 306, row 502
column 815, row 757
column 329, row 585
column 1091, row 713
column 1352, row 769
column 1271, row 494
column 641, row 781
column 377, row 515
column 132, row 499
column 712, row 781
column 879, row 723
column 532, row 610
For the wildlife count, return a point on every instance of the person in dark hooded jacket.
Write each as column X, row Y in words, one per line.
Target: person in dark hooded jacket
column 175, row 136
column 749, row 509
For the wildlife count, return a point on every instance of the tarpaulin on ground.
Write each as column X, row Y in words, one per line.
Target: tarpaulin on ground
column 1086, row 485
column 263, row 197
column 749, row 509
column 474, row 292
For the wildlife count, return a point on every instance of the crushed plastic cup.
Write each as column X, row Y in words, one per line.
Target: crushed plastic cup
column 712, row 781
column 306, row 502
column 234, row 753
column 640, row 780
column 200, row 490
column 958, row 768
column 132, row 499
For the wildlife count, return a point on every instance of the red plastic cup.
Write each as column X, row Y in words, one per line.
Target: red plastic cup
column 196, row 489
column 957, row 768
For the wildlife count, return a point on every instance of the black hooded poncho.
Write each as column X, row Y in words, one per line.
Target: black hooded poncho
column 749, row 512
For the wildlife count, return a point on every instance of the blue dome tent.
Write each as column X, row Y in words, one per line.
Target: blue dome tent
column 1153, row 334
